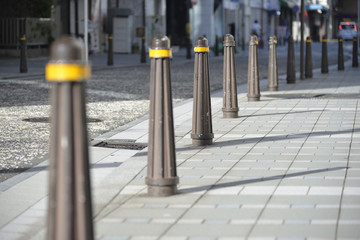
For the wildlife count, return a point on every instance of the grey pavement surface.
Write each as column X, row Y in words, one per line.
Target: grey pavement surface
column 116, row 95
column 287, row 168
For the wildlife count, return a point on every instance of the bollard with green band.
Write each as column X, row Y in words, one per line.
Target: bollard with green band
column 161, row 177
column 308, row 59
column 23, row 55
column 70, row 207
column 340, row 55
column 324, row 56
column 202, row 132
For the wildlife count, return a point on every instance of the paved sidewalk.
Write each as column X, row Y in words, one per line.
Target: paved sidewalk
column 287, row 168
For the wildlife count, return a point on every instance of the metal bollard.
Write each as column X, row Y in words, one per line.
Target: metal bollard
column 143, row 52
column 340, row 54
column 110, row 61
column 290, row 71
column 308, row 59
column 23, row 55
column 216, row 45
column 230, row 102
column 273, row 67
column 324, row 56
column 253, row 71
column 70, row 208
column 355, row 62
column 161, row 177
column 202, row 133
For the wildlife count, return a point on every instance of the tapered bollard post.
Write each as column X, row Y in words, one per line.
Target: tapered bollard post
column 110, row 60
column 273, row 67
column 23, row 54
column 308, row 59
column 324, row 56
column 70, row 210
column 202, row 133
column 161, row 177
column 355, row 62
column 290, row 71
column 230, row 103
column 253, row 70
column 216, row 45
column 340, row 54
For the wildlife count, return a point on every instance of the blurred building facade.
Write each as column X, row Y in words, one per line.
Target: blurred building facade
column 184, row 19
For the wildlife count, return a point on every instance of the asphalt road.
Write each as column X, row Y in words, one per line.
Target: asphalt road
column 115, row 97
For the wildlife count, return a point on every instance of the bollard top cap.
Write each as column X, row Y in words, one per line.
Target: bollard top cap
column 67, row 50
column 272, row 40
column 229, row 40
column 160, row 42
column 253, row 40
column 201, row 42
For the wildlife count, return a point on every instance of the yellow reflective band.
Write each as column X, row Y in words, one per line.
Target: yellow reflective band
column 324, row 40
column 23, row 38
column 340, row 40
column 308, row 41
column 275, row 41
column 67, row 72
column 201, row 49
column 256, row 42
column 110, row 37
column 160, row 53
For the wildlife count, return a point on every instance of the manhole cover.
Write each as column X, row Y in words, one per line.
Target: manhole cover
column 314, row 95
column 122, row 144
column 47, row 120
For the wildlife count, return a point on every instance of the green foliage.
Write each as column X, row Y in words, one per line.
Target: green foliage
column 25, row 8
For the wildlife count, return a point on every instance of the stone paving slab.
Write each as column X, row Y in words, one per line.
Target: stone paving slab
column 286, row 168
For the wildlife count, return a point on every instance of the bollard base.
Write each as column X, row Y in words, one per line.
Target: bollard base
column 230, row 113
column 253, row 98
column 202, row 139
column 272, row 89
column 162, row 187
column 202, row 142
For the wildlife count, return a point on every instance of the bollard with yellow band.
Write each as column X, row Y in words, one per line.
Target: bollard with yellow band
column 324, row 56
column 355, row 62
column 23, row 54
column 202, row 132
column 161, row 177
column 273, row 67
column 110, row 60
column 308, row 59
column 340, row 55
column 69, row 207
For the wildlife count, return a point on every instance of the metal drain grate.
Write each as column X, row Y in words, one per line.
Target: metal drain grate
column 122, row 144
column 47, row 120
column 315, row 96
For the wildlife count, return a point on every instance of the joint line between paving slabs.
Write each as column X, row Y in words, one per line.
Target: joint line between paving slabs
column 262, row 211
column 346, row 172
